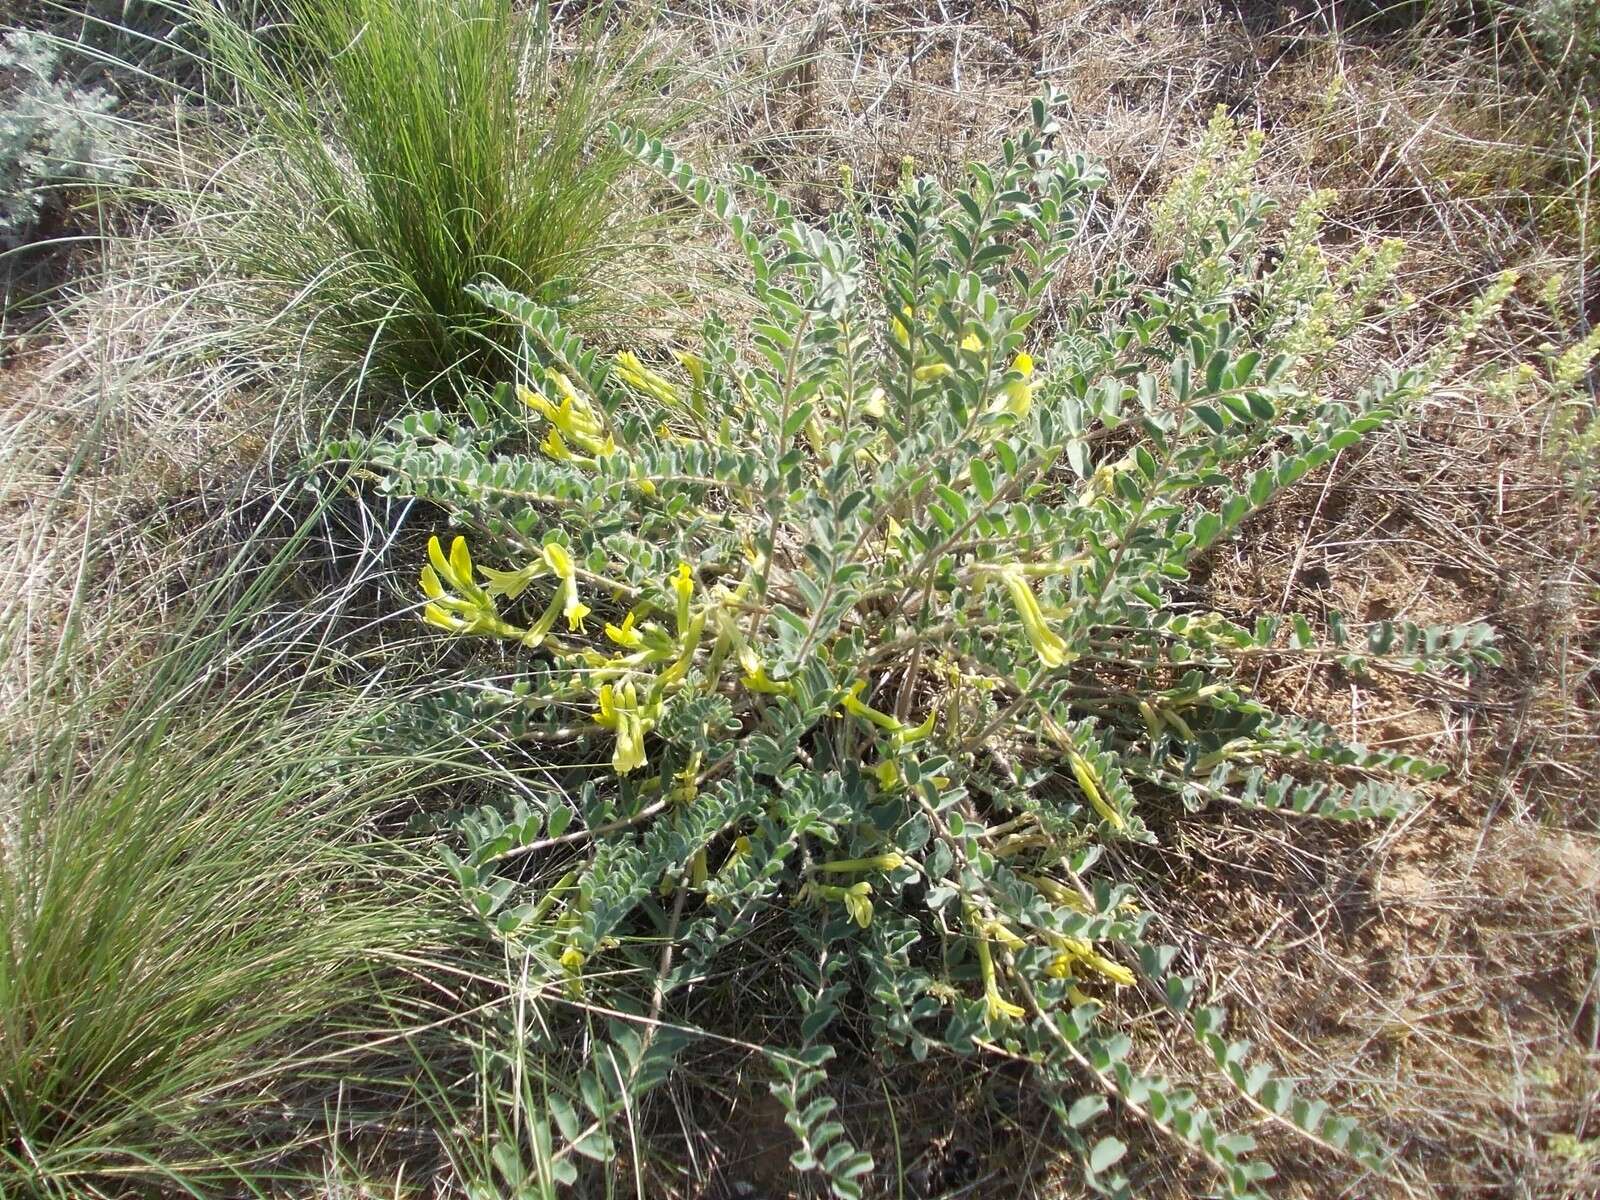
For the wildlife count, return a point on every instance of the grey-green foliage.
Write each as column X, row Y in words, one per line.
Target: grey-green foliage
column 1565, row 35
column 52, row 135
column 902, row 629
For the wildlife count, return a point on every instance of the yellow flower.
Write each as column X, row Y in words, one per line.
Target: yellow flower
column 455, row 570
column 574, row 418
column 740, row 848
column 1046, row 643
column 757, row 680
column 1075, row 951
column 688, row 780
column 858, row 905
column 1017, row 394
column 881, row 862
column 696, row 366
column 688, row 643
column 468, row 609
column 559, row 561
column 642, row 379
column 626, row 636
column 629, row 754
column 511, row 584
column 554, row 446
column 998, row 1007
column 1084, row 774
column 572, row 960
column 852, row 704
column 607, row 713
column 855, row 898
column 1002, row 933
column 683, row 584
column 908, row 734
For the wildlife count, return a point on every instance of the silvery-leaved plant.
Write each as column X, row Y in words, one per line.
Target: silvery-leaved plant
column 53, row 136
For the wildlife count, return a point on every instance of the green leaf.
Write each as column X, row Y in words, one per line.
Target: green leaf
column 1085, row 1109
column 1209, row 417
column 797, row 419
column 1180, row 378
column 981, row 480
column 1107, row 1152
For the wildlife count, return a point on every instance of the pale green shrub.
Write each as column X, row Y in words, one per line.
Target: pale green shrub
column 867, row 629
column 53, row 136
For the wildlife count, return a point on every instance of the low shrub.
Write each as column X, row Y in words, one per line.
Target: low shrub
column 54, row 137
column 871, row 631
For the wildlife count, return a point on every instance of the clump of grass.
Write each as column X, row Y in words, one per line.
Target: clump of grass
column 201, row 922
column 408, row 147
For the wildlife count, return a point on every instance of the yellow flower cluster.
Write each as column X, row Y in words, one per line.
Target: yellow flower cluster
column 573, row 420
column 1073, row 953
column 629, row 684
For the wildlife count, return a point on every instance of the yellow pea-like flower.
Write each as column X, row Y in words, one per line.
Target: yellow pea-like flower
column 456, row 603
column 625, row 635
column 629, row 754
column 1083, row 772
column 696, row 366
column 698, row 872
column 906, row 735
column 856, row 707
column 759, row 681
column 997, row 1006
column 554, row 446
column 607, row 714
column 1047, row 644
column 740, row 848
column 683, row 586
column 1076, row 951
column 647, row 382
column 510, row 584
column 1017, row 394
column 1003, row 933
column 560, row 561
column 891, row 861
column 572, row 960
column 574, row 418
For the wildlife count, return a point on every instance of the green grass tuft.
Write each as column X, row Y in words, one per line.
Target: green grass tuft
column 203, row 925
column 408, row 147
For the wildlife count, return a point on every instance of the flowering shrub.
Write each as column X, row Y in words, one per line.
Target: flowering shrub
column 873, row 615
